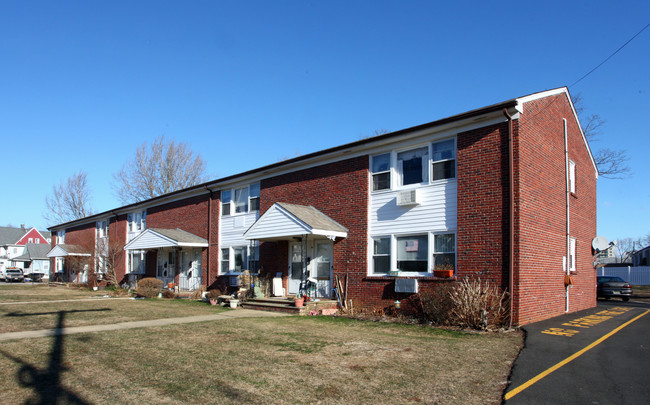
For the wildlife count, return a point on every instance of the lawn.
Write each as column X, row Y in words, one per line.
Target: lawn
column 290, row 360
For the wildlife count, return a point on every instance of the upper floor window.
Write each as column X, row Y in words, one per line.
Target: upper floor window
column 412, row 166
column 60, row 236
column 381, row 172
column 240, row 200
column 102, row 228
column 137, row 221
column 30, row 240
column 37, row 240
column 572, row 176
column 225, row 202
column 443, row 158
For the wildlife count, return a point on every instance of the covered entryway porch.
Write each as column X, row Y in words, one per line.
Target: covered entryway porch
column 71, row 263
column 308, row 236
column 179, row 255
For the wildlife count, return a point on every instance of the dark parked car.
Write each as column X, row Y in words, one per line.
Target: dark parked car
column 14, row 274
column 612, row 286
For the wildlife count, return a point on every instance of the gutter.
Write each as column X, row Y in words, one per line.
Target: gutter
column 568, row 222
column 511, row 258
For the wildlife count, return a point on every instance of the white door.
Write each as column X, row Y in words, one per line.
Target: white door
column 166, row 266
column 295, row 267
column 190, row 274
column 321, row 268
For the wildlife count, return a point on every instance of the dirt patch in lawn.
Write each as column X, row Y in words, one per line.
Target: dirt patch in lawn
column 294, row 360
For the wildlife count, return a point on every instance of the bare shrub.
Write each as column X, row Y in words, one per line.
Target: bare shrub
column 436, row 306
column 213, row 294
column 149, row 287
column 198, row 293
column 478, row 305
column 169, row 294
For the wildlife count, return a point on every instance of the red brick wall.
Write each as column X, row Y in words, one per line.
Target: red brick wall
column 340, row 191
column 84, row 236
column 541, row 208
column 483, row 204
column 190, row 215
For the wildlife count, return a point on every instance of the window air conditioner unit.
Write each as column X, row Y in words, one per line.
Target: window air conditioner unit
column 409, row 197
column 406, row 285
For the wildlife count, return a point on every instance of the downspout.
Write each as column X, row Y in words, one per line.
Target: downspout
column 511, row 175
column 207, row 274
column 568, row 222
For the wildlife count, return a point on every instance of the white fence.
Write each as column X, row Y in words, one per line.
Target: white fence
column 639, row 275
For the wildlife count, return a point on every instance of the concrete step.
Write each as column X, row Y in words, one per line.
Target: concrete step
column 287, row 305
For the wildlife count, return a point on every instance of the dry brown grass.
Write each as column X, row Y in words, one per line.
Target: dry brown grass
column 293, row 360
column 43, row 292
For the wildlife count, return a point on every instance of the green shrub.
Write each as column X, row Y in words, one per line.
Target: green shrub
column 149, row 287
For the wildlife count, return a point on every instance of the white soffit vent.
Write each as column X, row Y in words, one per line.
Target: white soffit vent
column 408, row 197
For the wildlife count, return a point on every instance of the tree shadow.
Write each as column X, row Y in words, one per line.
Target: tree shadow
column 46, row 383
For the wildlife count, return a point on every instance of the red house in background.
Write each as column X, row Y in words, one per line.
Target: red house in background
column 505, row 193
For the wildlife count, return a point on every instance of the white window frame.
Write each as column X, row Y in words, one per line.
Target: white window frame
column 434, row 252
column 223, row 261
column 251, row 203
column 572, row 176
column 432, row 162
column 37, row 240
column 30, row 240
column 136, row 221
column 382, row 172
column 572, row 254
column 60, row 237
column 424, row 168
column 143, row 262
column 373, row 254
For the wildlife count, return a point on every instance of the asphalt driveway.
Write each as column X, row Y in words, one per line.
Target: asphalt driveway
column 597, row 356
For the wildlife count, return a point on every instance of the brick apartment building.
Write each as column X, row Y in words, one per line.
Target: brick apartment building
column 505, row 193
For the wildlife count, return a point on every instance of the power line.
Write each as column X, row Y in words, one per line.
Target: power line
column 610, row 56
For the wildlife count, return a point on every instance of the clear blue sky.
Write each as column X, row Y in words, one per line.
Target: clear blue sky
column 245, row 83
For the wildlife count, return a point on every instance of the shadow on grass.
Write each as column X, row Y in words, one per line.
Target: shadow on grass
column 46, row 383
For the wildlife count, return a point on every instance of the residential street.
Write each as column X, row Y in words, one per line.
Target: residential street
column 596, row 356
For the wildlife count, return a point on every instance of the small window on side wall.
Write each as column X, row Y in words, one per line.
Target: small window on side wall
column 381, row 172
column 255, row 197
column 572, row 176
column 443, row 158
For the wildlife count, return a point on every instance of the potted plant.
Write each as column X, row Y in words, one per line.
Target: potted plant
column 299, row 301
column 443, row 270
column 213, row 296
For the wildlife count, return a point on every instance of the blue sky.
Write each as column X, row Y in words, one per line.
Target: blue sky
column 247, row 83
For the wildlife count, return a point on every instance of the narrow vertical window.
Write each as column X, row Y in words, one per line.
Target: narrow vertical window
column 239, row 254
column 443, row 157
column 413, row 165
column 381, row 172
column 381, row 255
column 225, row 202
column 572, row 176
column 572, row 254
column 253, row 258
column 255, row 197
column 225, row 260
column 444, row 252
column 241, row 200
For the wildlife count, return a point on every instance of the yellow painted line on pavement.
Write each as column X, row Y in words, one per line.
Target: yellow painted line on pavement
column 569, row 359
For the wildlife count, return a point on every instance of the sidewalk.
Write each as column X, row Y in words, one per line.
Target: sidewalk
column 238, row 313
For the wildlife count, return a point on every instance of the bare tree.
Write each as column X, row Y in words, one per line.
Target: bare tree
column 611, row 163
column 624, row 249
column 109, row 253
column 156, row 169
column 69, row 200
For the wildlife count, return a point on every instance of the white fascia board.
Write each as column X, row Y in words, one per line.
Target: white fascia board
column 198, row 244
column 561, row 90
column 324, row 232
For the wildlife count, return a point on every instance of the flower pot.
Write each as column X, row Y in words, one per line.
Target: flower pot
column 443, row 273
column 299, row 302
column 233, row 303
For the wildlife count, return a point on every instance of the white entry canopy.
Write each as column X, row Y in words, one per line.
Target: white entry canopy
column 154, row 238
column 284, row 221
column 63, row 250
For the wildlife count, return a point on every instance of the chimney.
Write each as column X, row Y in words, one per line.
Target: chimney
column 22, row 226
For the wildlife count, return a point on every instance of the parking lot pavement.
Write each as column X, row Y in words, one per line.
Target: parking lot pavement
column 597, row 356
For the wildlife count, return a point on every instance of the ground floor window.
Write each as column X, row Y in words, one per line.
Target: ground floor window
column 135, row 262
column 240, row 258
column 413, row 254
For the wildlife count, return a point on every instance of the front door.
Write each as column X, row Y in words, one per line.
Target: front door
column 166, row 266
column 295, row 267
column 321, row 268
column 190, row 274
